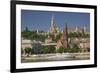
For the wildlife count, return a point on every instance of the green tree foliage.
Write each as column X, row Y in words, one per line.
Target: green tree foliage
column 39, row 37
column 27, row 34
column 75, row 49
column 45, row 50
column 57, row 37
column 28, row 50
column 62, row 49
column 33, row 35
column 48, row 49
column 52, row 49
column 78, row 34
column 22, row 50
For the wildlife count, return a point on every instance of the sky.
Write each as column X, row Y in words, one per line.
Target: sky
column 41, row 20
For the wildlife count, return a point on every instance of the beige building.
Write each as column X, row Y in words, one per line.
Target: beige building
column 48, row 40
column 26, row 43
column 85, row 44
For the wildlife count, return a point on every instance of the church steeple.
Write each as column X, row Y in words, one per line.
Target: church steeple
column 84, row 28
column 63, row 41
column 53, row 25
column 52, row 21
column 65, row 36
column 66, row 29
column 26, row 28
column 76, row 29
column 53, row 28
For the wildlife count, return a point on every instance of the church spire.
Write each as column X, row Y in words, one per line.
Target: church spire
column 66, row 28
column 53, row 26
column 64, row 37
column 84, row 28
column 54, row 30
column 52, row 21
column 76, row 29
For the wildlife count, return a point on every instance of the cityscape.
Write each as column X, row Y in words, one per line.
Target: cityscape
column 59, row 40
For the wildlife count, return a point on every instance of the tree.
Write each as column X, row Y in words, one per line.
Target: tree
column 27, row 34
column 48, row 49
column 79, row 34
column 27, row 50
column 45, row 50
column 52, row 49
column 57, row 37
column 22, row 51
column 75, row 49
column 61, row 49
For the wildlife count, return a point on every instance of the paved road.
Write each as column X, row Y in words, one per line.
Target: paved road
column 56, row 57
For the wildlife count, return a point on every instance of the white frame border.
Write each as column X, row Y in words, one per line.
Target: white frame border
column 20, row 65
